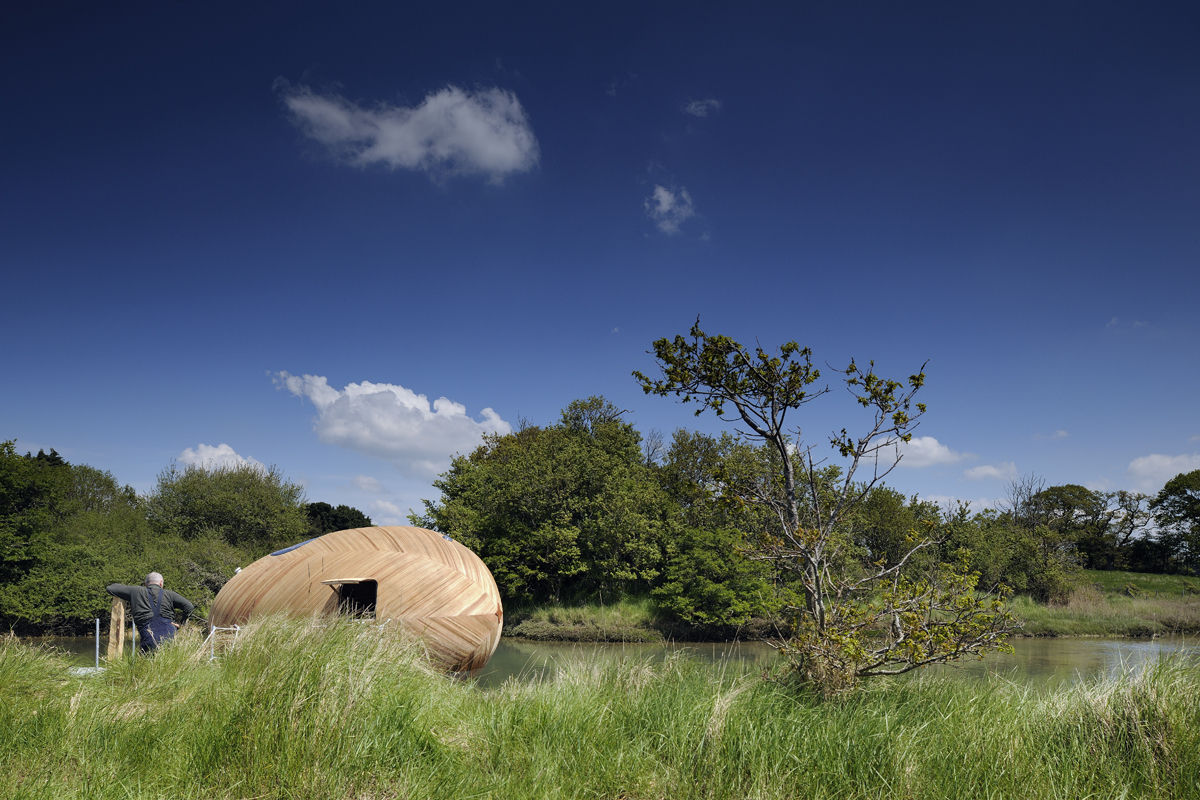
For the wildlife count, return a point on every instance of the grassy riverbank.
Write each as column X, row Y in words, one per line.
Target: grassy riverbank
column 1105, row 603
column 1113, row 603
column 345, row 712
column 628, row 620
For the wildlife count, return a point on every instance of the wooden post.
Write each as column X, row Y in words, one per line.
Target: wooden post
column 116, row 629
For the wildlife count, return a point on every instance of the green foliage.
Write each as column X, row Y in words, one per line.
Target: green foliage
column 884, row 524
column 716, row 371
column 854, row 618
column 1080, row 516
column 31, row 490
column 252, row 508
column 709, row 579
column 1038, row 561
column 324, row 518
column 569, row 511
column 1177, row 511
column 67, row 530
column 915, row 621
column 78, row 528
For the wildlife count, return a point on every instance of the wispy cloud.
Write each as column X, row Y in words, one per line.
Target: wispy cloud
column 926, row 451
column 452, row 131
column 1149, row 473
column 1004, row 471
column 392, row 422
column 1116, row 323
column 1058, row 434
column 388, row 513
column 669, row 210
column 702, row 108
column 222, row 456
column 368, row 484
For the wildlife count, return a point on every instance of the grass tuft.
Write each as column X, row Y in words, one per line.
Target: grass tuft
column 350, row 711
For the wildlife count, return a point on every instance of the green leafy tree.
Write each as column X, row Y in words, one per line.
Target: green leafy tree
column 1176, row 509
column 710, row 581
column 31, row 492
column 850, row 623
column 254, row 509
column 884, row 523
column 1099, row 530
column 570, row 511
column 709, row 578
column 324, row 518
column 79, row 529
column 1037, row 561
column 1081, row 519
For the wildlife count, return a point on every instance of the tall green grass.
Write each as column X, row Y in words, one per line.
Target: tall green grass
column 1091, row 611
column 345, row 711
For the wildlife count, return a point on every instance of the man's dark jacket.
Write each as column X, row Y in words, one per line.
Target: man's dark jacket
column 141, row 602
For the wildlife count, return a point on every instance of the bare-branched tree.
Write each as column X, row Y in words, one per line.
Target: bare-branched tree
column 849, row 620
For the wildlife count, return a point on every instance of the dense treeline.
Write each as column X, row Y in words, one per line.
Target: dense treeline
column 67, row 530
column 584, row 509
column 588, row 508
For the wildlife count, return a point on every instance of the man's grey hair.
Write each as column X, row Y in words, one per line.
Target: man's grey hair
column 155, row 578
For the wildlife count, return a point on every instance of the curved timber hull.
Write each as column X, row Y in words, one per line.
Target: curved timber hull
column 430, row 584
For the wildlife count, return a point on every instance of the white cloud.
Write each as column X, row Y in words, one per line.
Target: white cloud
column 392, row 422
column 1117, row 323
column 222, row 456
column 384, row 512
column 368, row 484
column 452, row 131
column 1005, row 471
column 1149, row 473
column 1058, row 434
column 669, row 209
column 702, row 108
column 926, row 451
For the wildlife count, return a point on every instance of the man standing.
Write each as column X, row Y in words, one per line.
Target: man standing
column 153, row 609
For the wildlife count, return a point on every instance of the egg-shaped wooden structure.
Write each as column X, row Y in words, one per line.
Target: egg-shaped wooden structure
column 425, row 581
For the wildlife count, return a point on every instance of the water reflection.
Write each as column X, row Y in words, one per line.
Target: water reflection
column 1068, row 660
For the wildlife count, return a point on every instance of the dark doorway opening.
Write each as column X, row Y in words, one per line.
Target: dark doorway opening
column 358, row 599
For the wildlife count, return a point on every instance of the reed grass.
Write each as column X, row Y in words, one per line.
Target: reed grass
column 348, row 711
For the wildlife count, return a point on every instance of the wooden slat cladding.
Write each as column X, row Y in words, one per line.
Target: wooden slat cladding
column 434, row 587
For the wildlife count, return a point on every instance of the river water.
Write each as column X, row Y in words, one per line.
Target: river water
column 1034, row 660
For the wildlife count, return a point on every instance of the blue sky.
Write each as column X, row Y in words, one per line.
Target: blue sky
column 283, row 232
